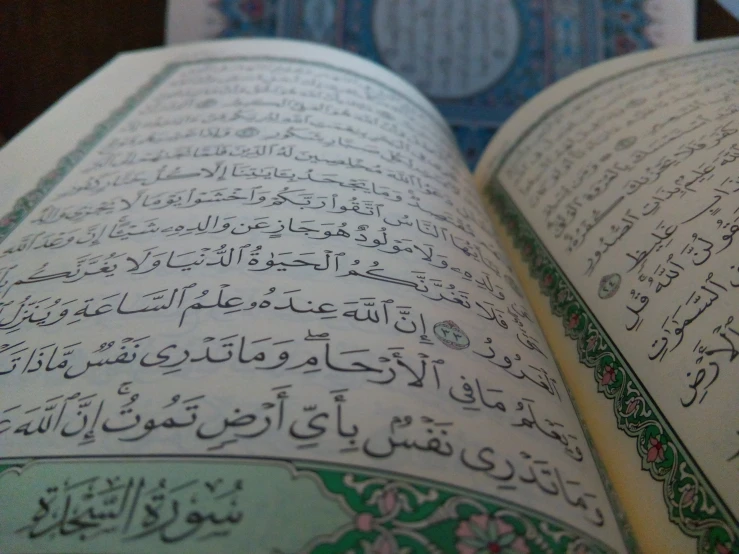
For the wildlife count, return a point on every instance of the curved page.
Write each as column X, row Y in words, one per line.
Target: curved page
column 260, row 307
column 619, row 189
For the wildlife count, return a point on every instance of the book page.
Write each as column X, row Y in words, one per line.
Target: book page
column 478, row 60
column 261, row 307
column 620, row 190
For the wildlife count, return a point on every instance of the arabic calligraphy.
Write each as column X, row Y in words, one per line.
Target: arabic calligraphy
column 632, row 187
column 278, row 259
column 136, row 508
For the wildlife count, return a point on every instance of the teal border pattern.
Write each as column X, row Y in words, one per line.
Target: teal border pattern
column 691, row 503
column 391, row 514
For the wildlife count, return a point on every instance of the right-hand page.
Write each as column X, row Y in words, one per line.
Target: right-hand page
column 620, row 189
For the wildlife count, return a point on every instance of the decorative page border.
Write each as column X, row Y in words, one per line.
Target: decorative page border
column 393, row 513
column 692, row 504
column 662, row 453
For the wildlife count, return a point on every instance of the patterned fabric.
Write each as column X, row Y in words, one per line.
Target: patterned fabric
column 555, row 38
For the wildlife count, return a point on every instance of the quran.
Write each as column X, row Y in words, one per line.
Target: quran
column 252, row 299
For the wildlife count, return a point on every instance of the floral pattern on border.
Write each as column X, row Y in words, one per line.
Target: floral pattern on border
column 624, row 24
column 401, row 517
column 690, row 505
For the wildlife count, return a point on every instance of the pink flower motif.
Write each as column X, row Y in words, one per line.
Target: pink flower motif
column 548, row 280
column 483, row 535
column 383, row 546
column 253, row 9
column 687, row 497
column 631, row 408
column 656, row 452
column 364, row 521
column 574, row 320
column 591, row 342
column 723, row 549
column 387, row 501
column 609, row 375
column 5, row 221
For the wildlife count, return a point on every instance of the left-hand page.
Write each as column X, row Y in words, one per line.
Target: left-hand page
column 259, row 307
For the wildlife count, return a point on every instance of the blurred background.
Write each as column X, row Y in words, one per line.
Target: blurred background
column 47, row 47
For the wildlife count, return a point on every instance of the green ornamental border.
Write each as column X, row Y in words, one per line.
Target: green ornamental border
column 391, row 514
column 691, row 504
column 403, row 517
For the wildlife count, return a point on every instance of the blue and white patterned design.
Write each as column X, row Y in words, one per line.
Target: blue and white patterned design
column 555, row 38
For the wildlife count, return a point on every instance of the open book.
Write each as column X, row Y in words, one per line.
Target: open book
column 253, row 300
